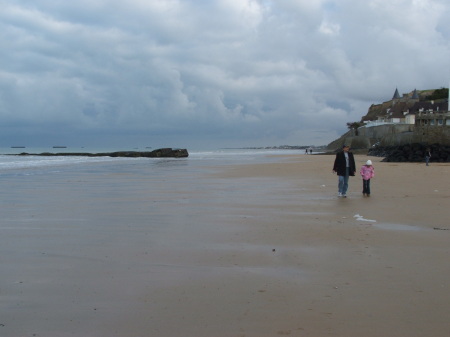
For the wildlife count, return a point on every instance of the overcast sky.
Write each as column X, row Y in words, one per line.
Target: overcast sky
column 206, row 74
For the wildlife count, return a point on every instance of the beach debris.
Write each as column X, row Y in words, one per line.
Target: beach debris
column 273, row 250
column 360, row 218
column 441, row 229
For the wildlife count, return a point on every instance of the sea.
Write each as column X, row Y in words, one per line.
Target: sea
column 11, row 163
column 61, row 184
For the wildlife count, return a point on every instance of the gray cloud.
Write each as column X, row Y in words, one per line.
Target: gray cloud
column 210, row 73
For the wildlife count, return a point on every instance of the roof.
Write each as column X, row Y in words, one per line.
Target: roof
column 428, row 105
column 396, row 94
column 397, row 110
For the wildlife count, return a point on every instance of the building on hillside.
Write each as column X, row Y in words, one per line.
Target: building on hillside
column 397, row 111
column 407, row 108
column 412, row 118
column 431, row 113
column 432, row 123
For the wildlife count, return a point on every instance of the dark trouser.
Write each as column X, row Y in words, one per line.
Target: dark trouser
column 366, row 186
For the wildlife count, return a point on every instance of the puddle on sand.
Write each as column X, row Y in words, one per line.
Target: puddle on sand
column 397, row 227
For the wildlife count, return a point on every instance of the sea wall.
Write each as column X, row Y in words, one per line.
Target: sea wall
column 381, row 131
column 432, row 134
column 392, row 135
column 397, row 139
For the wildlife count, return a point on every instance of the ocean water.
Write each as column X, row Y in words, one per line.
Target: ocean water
column 40, row 188
column 11, row 163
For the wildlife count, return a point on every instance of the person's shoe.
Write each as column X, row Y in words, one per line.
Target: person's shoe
column 339, row 194
column 344, row 196
column 368, row 194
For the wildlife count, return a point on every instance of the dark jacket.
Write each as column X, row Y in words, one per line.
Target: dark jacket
column 340, row 164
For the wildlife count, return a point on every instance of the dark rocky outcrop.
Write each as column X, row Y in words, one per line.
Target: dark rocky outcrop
column 159, row 153
column 412, row 153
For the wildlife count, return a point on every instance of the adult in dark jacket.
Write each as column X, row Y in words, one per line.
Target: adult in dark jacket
column 344, row 166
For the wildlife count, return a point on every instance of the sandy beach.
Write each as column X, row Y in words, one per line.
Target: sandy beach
column 249, row 250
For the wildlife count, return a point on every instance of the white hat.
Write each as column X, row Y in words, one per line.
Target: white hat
column 369, row 162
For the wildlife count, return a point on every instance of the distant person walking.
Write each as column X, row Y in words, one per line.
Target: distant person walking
column 427, row 156
column 367, row 172
column 344, row 166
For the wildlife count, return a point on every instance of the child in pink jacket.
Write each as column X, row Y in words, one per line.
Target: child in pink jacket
column 367, row 172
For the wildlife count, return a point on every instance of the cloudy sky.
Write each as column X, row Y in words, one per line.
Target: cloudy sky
column 207, row 74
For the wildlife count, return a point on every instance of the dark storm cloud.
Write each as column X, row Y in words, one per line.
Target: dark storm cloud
column 211, row 72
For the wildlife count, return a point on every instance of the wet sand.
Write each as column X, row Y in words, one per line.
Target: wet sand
column 248, row 250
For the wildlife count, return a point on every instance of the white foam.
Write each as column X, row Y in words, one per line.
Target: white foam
column 360, row 218
column 23, row 162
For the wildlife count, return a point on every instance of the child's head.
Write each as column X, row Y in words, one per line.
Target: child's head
column 369, row 163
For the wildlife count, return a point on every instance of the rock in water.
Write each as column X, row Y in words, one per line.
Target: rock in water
column 159, row 153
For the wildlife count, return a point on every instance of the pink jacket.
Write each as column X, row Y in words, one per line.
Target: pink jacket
column 367, row 172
